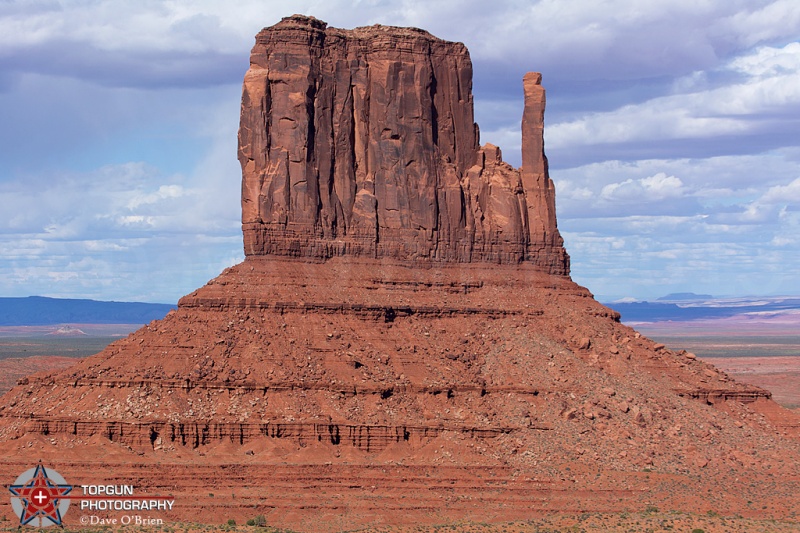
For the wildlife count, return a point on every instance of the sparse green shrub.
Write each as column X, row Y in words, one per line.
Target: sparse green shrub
column 231, row 522
column 261, row 520
column 651, row 509
column 698, row 530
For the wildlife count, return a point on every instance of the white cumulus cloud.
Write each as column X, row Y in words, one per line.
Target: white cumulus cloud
column 651, row 188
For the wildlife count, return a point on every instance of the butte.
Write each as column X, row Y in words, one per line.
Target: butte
column 402, row 343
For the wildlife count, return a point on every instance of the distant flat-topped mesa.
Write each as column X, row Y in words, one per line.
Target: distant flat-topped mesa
column 362, row 142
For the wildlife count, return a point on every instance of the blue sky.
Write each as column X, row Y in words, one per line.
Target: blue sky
column 672, row 131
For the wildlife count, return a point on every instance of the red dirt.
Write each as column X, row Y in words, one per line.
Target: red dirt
column 779, row 375
column 14, row 369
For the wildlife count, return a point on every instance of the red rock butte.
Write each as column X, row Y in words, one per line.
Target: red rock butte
column 402, row 343
column 363, row 143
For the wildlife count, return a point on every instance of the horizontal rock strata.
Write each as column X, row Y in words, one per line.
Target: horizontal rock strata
column 412, row 354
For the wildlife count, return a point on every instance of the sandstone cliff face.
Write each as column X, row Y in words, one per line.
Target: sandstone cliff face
column 363, row 142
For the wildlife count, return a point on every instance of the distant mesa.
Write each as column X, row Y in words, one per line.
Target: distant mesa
column 683, row 296
column 43, row 311
column 68, row 331
column 683, row 310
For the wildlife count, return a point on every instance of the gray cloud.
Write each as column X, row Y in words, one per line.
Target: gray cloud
column 757, row 104
column 726, row 224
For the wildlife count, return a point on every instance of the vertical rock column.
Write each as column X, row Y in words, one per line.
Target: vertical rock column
column 545, row 246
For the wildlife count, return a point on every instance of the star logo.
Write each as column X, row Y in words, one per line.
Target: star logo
column 39, row 497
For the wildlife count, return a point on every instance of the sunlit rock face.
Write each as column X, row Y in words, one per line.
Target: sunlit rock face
column 362, row 142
